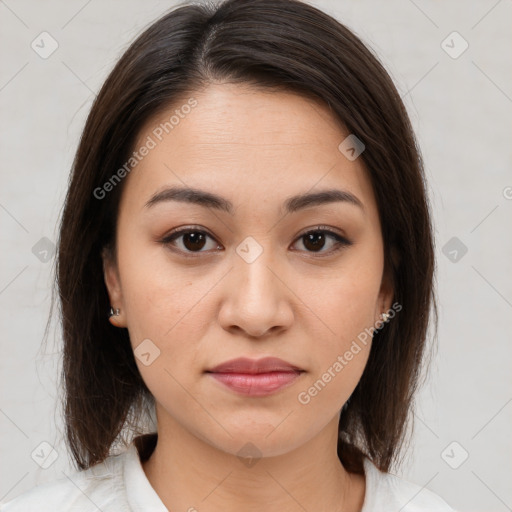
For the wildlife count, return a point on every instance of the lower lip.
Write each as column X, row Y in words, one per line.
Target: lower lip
column 258, row 384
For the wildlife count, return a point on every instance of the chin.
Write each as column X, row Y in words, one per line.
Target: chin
column 255, row 439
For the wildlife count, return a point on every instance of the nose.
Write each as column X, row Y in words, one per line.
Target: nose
column 257, row 300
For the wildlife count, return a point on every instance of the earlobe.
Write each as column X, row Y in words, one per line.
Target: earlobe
column 113, row 285
column 114, row 317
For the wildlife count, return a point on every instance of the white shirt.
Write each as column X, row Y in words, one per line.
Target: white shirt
column 119, row 484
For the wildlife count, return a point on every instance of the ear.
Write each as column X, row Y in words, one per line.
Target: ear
column 113, row 284
column 386, row 293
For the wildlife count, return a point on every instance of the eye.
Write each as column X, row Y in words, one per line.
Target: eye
column 315, row 240
column 193, row 240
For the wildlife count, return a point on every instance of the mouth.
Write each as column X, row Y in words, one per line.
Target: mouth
column 256, row 377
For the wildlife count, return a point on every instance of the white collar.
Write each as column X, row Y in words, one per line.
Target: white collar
column 140, row 495
column 143, row 498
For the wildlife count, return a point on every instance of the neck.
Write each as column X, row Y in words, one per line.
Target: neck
column 190, row 474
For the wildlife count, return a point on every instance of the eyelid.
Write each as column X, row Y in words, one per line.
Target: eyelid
column 184, row 229
column 327, row 229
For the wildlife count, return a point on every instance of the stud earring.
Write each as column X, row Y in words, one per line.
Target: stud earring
column 114, row 312
column 385, row 317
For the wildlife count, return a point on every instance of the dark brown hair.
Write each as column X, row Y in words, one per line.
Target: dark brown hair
column 277, row 45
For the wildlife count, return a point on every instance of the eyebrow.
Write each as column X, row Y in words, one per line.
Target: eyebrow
column 291, row 205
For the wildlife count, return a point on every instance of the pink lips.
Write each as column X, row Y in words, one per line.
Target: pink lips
column 256, row 377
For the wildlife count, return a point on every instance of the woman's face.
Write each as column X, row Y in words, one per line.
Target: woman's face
column 248, row 281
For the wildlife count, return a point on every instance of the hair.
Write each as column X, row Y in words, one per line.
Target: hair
column 275, row 45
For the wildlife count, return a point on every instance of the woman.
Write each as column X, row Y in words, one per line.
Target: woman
column 248, row 204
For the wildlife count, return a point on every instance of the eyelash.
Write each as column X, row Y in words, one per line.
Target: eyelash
column 341, row 242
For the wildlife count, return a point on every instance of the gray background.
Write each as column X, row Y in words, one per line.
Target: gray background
column 461, row 111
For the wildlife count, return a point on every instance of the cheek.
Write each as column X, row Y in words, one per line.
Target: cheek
column 328, row 390
column 166, row 318
column 344, row 299
column 341, row 348
column 344, row 310
column 167, row 304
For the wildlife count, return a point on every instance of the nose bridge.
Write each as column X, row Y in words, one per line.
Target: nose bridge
column 255, row 299
column 253, row 261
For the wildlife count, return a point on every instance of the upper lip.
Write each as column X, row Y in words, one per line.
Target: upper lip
column 253, row 366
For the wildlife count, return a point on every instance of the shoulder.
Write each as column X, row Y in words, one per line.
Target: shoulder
column 99, row 487
column 397, row 494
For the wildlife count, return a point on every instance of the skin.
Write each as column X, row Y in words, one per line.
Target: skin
column 255, row 148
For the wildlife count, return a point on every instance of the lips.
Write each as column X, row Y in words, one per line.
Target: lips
column 256, row 377
column 254, row 366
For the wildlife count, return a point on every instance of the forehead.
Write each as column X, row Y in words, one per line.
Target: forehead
column 231, row 116
column 247, row 143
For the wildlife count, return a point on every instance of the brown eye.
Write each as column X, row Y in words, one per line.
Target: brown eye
column 192, row 240
column 314, row 241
